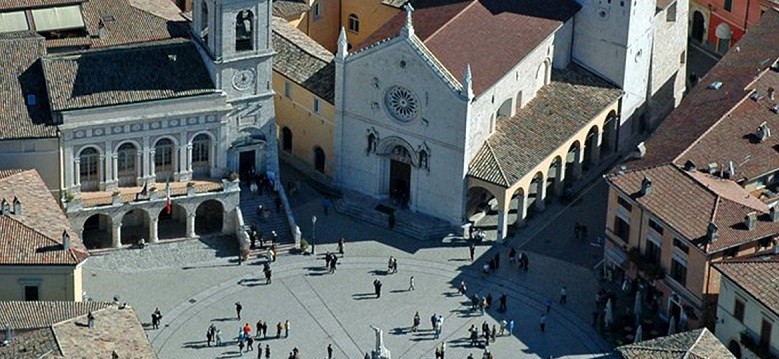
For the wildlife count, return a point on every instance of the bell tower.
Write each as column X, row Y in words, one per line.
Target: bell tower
column 234, row 40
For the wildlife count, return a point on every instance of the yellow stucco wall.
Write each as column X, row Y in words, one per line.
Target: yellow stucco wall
column 325, row 28
column 309, row 129
column 371, row 14
column 55, row 282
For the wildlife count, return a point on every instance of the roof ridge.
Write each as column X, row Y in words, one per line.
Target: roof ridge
column 698, row 339
column 278, row 19
column 295, row 44
column 497, row 163
column 463, row 10
column 133, row 46
column 636, row 170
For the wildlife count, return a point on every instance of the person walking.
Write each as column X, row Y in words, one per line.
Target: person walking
column 218, row 337
column 249, row 344
column 494, row 332
column 259, row 351
column 247, row 330
column 238, row 308
column 329, row 351
column 240, row 346
column 394, row 265
column 267, row 351
column 209, row 336
column 472, row 250
column 416, row 322
column 543, row 322
column 512, row 255
column 502, row 301
column 287, row 327
column 327, row 260
column 475, row 301
column 488, row 300
column 279, row 327
column 433, row 320
column 511, row 327
column 267, row 271
column 483, row 306
column 264, row 329
column 333, row 264
column 548, row 305
column 341, row 244
column 474, row 335
column 497, row 260
column 462, row 289
column 503, row 325
column 377, row 287
column 411, row 283
column 563, row 295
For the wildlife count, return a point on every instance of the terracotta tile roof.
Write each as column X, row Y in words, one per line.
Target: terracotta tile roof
column 10, row 172
column 34, row 235
column 302, row 60
column 696, row 344
column 689, row 205
column 462, row 32
column 20, row 76
column 32, row 344
column 115, row 329
column 29, row 4
column 559, row 110
column 147, row 72
column 395, row 3
column 702, row 108
column 289, row 8
column 23, row 315
column 757, row 277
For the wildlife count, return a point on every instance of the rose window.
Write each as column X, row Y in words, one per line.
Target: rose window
column 401, row 103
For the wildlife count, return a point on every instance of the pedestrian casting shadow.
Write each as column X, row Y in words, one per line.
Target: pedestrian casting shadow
column 400, row 331
column 460, row 343
column 317, row 271
column 459, row 260
column 378, row 272
column 196, row 345
column 451, row 294
column 363, row 296
column 465, row 313
column 231, row 354
column 209, row 266
column 224, row 319
column 399, row 291
column 252, row 282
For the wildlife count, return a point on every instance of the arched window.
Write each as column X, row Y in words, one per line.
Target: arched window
column 89, row 169
column 204, row 22
column 126, row 164
column 354, row 23
column 244, row 32
column 286, row 139
column 201, row 155
column 163, row 159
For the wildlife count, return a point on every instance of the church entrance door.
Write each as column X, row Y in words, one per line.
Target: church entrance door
column 400, row 181
column 246, row 164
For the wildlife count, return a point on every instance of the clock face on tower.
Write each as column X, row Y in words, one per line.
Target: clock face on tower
column 243, row 79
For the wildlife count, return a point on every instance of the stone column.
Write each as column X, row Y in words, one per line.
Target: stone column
column 188, row 161
column 153, row 235
column 150, row 163
column 102, row 168
column 116, row 235
column 559, row 180
column 502, row 224
column 191, row 226
column 576, row 171
column 540, row 202
column 521, row 210
column 139, row 166
column 176, row 161
column 77, row 172
column 68, row 167
column 595, row 150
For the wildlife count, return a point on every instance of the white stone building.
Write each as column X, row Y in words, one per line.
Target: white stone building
column 748, row 307
column 500, row 96
column 124, row 99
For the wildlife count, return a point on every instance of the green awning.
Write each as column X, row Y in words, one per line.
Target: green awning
column 13, row 21
column 58, row 18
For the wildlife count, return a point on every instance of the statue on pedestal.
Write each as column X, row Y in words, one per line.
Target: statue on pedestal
column 380, row 352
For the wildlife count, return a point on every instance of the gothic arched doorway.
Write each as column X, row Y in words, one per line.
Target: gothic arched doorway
column 319, row 160
column 400, row 175
column 698, row 23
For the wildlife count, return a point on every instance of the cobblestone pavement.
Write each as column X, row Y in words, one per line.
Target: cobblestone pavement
column 195, row 283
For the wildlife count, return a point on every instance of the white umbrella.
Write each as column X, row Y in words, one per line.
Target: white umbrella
column 672, row 326
column 609, row 317
column 639, row 335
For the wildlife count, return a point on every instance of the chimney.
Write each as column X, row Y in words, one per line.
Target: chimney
column 776, row 246
column 763, row 132
column 750, row 220
column 5, row 207
column 689, row 166
column 646, row 186
column 774, row 214
column 17, row 206
column 65, row 240
column 102, row 31
column 712, row 232
column 8, row 334
column 712, row 168
column 771, row 93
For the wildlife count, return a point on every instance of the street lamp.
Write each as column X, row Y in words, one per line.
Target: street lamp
column 313, row 234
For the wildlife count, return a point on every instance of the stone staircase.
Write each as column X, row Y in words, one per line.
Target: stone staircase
column 275, row 221
column 415, row 225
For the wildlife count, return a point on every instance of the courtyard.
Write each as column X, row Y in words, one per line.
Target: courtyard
column 196, row 283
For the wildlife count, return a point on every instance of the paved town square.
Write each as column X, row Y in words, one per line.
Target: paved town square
column 196, row 283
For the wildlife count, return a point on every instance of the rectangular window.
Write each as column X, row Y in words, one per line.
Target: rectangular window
column 354, row 23
column 316, row 11
column 316, row 105
column 31, row 293
column 653, row 251
column 765, row 333
column 625, row 204
column 765, row 242
column 670, row 14
column 738, row 310
column 731, row 252
column 287, row 90
column 679, row 271
column 622, row 229
column 683, row 247
column 729, row 5
column 656, row 226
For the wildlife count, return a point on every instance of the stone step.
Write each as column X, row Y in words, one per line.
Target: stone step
column 274, row 222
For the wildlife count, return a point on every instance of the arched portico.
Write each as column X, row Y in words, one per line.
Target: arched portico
column 174, row 224
column 518, row 207
column 573, row 164
column 592, row 148
column 609, row 138
column 537, row 193
column 135, row 225
column 97, row 231
column 555, row 176
column 209, row 217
